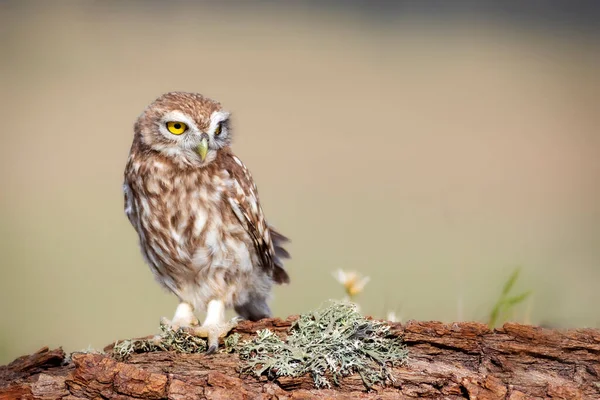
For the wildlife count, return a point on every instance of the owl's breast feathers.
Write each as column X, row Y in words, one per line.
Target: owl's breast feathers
column 190, row 218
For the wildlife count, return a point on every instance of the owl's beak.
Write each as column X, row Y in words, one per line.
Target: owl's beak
column 202, row 148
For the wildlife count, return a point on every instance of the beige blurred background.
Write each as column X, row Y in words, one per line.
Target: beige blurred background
column 432, row 153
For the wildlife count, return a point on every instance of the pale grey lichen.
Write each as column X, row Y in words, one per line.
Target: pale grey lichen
column 329, row 343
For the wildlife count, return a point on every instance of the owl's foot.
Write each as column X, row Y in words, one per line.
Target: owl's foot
column 214, row 326
column 184, row 318
column 213, row 332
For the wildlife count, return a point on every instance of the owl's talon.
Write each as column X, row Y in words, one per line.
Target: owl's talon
column 212, row 349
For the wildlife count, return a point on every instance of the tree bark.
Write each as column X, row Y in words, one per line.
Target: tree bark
column 450, row 361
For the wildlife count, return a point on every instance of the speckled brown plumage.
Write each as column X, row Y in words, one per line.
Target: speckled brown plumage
column 201, row 227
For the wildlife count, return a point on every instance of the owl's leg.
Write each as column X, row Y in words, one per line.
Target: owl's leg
column 184, row 317
column 215, row 326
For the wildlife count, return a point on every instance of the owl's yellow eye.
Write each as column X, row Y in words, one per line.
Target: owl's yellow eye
column 218, row 129
column 176, row 127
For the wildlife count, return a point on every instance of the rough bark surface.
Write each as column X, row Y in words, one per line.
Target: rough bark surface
column 447, row 361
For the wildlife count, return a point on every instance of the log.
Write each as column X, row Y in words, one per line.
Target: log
column 463, row 360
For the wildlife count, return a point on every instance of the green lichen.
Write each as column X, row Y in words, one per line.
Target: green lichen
column 329, row 343
column 169, row 340
column 231, row 342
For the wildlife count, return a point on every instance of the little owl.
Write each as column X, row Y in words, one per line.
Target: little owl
column 196, row 210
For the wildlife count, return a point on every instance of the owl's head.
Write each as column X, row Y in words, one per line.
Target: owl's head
column 186, row 127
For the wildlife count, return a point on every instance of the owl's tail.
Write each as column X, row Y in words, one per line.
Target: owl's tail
column 279, row 274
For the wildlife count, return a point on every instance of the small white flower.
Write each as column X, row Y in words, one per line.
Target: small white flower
column 353, row 282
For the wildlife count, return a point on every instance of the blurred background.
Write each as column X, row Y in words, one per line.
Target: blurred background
column 433, row 146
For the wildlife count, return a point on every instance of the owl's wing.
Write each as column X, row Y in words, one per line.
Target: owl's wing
column 243, row 199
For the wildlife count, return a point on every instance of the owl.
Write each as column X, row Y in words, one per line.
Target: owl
column 195, row 208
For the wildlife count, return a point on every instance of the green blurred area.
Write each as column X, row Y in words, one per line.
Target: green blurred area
column 433, row 157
